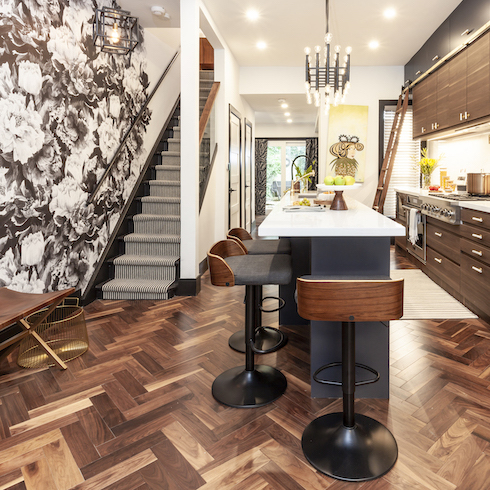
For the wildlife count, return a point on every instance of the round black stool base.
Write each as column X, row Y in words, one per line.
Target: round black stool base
column 266, row 338
column 365, row 452
column 249, row 389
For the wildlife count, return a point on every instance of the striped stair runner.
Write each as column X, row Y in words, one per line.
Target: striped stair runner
column 148, row 268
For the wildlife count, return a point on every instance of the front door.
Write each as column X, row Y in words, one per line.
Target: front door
column 234, row 170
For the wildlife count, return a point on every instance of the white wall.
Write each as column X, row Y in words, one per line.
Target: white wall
column 213, row 219
column 285, row 131
column 369, row 85
column 464, row 154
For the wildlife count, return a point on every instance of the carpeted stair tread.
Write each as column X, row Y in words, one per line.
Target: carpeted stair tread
column 138, row 287
column 153, row 260
column 154, row 217
column 172, row 200
column 164, row 182
column 167, row 166
column 144, row 237
column 170, row 153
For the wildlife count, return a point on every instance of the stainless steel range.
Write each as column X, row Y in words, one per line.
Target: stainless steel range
column 441, row 208
column 445, row 207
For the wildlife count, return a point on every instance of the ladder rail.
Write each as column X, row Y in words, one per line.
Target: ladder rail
column 390, row 154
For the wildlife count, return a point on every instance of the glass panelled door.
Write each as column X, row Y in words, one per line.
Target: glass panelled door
column 280, row 155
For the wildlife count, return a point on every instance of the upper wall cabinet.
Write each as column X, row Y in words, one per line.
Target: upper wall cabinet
column 455, row 94
column 468, row 17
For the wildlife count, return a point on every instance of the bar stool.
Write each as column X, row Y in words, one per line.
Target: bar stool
column 250, row 385
column 267, row 339
column 349, row 446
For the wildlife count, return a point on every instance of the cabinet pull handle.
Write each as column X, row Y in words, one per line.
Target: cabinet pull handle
column 477, row 269
column 465, row 32
column 477, row 236
column 466, row 115
column 435, row 58
column 439, row 261
column 475, row 218
column 423, row 130
column 460, row 116
column 436, row 233
column 418, row 72
column 477, row 252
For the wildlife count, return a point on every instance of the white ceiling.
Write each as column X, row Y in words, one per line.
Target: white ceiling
column 287, row 26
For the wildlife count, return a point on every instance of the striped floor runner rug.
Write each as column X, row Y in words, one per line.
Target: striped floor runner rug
column 425, row 300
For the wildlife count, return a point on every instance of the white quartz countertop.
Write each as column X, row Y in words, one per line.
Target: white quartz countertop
column 475, row 205
column 357, row 221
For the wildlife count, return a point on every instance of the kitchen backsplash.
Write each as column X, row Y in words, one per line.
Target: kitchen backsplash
column 463, row 155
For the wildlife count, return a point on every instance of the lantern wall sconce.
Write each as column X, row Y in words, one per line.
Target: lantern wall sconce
column 115, row 31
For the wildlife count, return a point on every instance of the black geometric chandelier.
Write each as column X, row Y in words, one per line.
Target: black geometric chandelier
column 115, row 31
column 335, row 78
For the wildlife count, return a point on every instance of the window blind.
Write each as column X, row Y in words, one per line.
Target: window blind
column 405, row 174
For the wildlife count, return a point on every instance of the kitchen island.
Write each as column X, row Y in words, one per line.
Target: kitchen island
column 353, row 243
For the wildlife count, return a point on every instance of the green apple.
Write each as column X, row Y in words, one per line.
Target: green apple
column 328, row 180
column 339, row 180
column 349, row 180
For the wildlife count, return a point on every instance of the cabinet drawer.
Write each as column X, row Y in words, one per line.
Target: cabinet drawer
column 476, row 218
column 475, row 234
column 476, row 251
column 475, row 283
column 443, row 267
column 443, row 242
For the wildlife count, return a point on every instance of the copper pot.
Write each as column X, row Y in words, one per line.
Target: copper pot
column 478, row 183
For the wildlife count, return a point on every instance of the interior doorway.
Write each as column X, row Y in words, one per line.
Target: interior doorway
column 235, row 170
column 280, row 155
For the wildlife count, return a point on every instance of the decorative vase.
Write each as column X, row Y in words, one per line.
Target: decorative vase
column 426, row 181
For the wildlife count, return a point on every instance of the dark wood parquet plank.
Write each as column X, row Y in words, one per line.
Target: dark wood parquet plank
column 80, row 444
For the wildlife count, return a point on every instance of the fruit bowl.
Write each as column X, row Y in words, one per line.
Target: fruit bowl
column 323, row 187
column 338, row 203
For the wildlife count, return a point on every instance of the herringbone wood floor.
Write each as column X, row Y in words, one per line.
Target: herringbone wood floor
column 136, row 411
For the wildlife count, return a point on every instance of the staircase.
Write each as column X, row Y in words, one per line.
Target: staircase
column 148, row 268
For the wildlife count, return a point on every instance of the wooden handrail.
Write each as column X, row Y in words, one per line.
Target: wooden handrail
column 206, row 113
column 128, row 132
column 208, row 175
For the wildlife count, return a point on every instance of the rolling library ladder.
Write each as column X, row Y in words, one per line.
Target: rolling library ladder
column 389, row 158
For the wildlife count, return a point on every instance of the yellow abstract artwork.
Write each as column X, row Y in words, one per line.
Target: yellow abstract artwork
column 347, row 134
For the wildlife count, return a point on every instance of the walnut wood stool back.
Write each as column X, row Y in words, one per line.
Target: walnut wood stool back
column 15, row 307
column 267, row 339
column 349, row 446
column 250, row 385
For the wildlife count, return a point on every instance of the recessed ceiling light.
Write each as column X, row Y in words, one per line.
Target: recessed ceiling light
column 290, row 120
column 389, row 13
column 261, row 45
column 284, row 105
column 252, row 14
column 287, row 114
column 374, row 44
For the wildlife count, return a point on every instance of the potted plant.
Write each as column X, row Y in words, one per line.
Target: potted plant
column 303, row 178
column 426, row 166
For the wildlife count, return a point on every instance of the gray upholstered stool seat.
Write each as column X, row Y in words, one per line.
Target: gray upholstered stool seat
column 229, row 265
column 259, row 247
column 258, row 270
column 266, row 338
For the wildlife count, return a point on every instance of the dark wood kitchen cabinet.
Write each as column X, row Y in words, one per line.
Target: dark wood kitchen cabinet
column 456, row 93
column 443, row 253
column 469, row 83
column 430, row 100
column 475, row 261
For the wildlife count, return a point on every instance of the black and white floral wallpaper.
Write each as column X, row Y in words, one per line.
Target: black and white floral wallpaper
column 260, row 175
column 64, row 108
